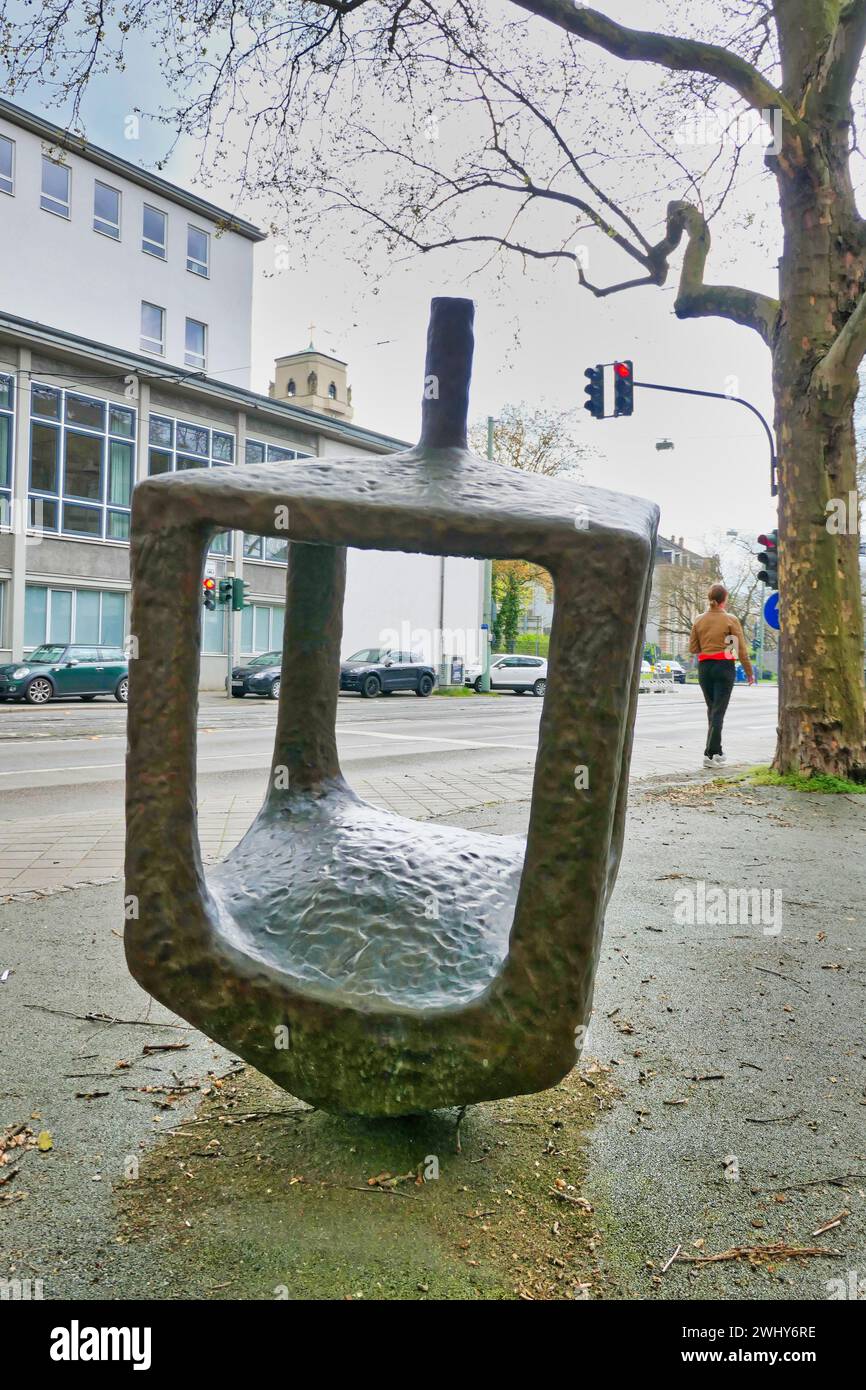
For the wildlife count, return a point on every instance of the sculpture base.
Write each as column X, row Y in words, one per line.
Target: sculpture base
column 363, row 907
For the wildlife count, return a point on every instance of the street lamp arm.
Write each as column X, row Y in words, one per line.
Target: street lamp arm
column 721, row 396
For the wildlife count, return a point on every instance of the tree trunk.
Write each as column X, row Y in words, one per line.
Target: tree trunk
column 821, row 692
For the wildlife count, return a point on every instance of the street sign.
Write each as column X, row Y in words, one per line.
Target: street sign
column 771, row 612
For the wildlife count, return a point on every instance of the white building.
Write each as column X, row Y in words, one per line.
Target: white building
column 125, row 325
column 112, row 253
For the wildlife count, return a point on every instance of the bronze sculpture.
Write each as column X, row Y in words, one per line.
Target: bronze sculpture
column 366, row 962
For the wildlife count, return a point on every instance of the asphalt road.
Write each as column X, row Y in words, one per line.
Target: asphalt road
column 72, row 754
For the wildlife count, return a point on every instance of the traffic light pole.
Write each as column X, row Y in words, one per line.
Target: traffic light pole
column 760, row 662
column 487, row 604
column 720, row 396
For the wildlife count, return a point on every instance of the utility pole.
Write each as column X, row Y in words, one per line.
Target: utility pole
column 760, row 661
column 487, row 602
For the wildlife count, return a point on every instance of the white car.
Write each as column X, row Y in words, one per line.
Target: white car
column 511, row 672
column 646, row 675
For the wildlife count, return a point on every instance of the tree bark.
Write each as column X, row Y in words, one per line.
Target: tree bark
column 821, row 696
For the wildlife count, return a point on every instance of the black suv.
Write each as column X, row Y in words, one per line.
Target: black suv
column 380, row 671
column 260, row 676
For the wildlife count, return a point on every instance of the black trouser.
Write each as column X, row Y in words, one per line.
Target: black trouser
column 716, row 681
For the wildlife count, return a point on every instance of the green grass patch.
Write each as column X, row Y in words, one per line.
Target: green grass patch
column 818, row 782
column 458, row 692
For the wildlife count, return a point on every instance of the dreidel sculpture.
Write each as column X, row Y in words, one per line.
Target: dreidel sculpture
column 369, row 963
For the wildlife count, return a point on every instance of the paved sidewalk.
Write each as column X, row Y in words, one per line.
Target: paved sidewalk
column 718, row 1109
column 38, row 857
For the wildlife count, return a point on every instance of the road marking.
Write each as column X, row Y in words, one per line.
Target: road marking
column 430, row 738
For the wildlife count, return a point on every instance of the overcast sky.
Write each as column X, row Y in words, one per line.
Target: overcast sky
column 536, row 331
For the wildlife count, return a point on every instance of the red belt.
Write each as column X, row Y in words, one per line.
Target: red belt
column 716, row 656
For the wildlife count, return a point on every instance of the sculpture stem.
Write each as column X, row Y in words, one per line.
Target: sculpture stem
column 447, row 373
column 305, row 747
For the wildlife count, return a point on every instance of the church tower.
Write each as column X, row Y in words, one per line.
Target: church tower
column 314, row 380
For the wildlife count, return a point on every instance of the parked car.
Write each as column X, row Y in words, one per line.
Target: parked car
column 56, row 670
column 380, row 671
column 646, row 675
column 261, row 676
column 508, row 671
column 671, row 668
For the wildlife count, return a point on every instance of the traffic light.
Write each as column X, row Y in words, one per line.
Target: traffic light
column 623, row 388
column 225, row 590
column 239, row 595
column 594, row 392
column 769, row 559
column 208, row 592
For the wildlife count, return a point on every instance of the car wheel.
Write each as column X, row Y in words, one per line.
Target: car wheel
column 121, row 690
column 540, row 687
column 477, row 685
column 425, row 685
column 238, row 694
column 371, row 686
column 274, row 692
column 38, row 691
column 88, row 697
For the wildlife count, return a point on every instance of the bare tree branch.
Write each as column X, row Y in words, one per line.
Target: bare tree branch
column 676, row 54
column 845, row 354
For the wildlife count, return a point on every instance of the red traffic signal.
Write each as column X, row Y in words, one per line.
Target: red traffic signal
column 208, row 592
column 623, row 388
column 768, row 558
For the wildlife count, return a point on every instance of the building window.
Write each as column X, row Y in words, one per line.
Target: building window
column 73, row 615
column 272, row 548
column 332, row 391
column 7, row 407
column 262, row 628
column 178, row 444
column 82, row 463
column 213, row 631
column 106, row 210
column 7, row 165
column 153, row 232
column 152, row 328
column 291, row 388
column 195, row 353
column 55, row 187
column 198, row 251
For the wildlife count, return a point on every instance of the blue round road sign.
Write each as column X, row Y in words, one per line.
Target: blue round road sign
column 771, row 612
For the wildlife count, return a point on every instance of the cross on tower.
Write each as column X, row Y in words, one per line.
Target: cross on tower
column 312, row 326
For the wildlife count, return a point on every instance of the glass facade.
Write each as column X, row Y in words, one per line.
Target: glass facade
column 73, row 615
column 262, row 628
column 271, row 548
column 82, row 464
column 177, row 444
column 7, row 436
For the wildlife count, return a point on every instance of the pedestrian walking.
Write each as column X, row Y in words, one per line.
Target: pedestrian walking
column 718, row 641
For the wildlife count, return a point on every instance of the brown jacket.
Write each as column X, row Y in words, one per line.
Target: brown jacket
column 717, row 631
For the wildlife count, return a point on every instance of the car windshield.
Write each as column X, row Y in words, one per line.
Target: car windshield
column 46, row 654
column 368, row 654
column 266, row 659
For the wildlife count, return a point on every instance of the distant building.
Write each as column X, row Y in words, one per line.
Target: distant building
column 315, row 381
column 680, row 579
column 125, row 334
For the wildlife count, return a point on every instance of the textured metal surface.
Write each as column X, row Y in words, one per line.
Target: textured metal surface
column 369, row 907
column 365, row 962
